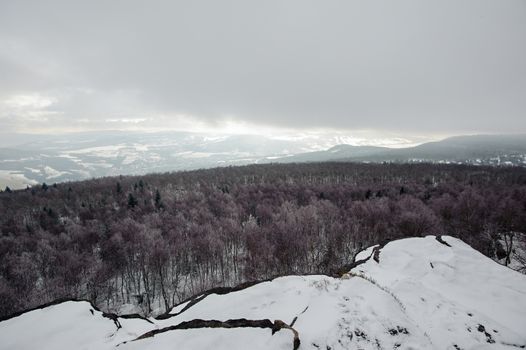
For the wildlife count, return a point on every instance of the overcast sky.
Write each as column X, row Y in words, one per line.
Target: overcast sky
column 410, row 68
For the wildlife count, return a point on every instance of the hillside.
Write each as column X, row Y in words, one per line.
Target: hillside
column 86, row 155
column 147, row 243
column 336, row 152
column 475, row 149
column 415, row 293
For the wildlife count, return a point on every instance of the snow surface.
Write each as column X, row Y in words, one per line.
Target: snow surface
column 14, row 180
column 69, row 325
column 215, row 338
column 421, row 295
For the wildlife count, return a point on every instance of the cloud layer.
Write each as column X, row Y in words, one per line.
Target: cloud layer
column 410, row 67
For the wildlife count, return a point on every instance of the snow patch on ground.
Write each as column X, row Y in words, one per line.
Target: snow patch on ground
column 14, row 180
column 421, row 294
column 52, row 173
column 215, row 338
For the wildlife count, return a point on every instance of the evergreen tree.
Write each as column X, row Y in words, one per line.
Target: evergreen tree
column 158, row 203
column 132, row 201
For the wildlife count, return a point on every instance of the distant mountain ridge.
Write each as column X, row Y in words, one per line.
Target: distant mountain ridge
column 476, row 149
column 337, row 152
column 87, row 155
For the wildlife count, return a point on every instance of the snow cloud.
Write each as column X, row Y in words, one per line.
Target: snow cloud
column 406, row 68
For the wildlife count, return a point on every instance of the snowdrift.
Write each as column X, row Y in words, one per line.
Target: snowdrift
column 415, row 293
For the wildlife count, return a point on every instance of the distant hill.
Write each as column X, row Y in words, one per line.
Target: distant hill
column 337, row 152
column 87, row 155
column 477, row 149
column 461, row 148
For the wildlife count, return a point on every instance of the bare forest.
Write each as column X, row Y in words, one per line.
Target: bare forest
column 155, row 240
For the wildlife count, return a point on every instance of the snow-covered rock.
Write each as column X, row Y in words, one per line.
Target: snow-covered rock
column 68, row 325
column 420, row 294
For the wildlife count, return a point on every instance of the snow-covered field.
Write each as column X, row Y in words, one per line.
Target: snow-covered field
column 14, row 180
column 420, row 295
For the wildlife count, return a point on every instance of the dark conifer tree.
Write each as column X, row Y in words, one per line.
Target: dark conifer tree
column 132, row 201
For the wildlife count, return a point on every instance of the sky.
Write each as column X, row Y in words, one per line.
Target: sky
column 373, row 69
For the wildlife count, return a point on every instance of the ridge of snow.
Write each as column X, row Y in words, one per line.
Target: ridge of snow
column 421, row 294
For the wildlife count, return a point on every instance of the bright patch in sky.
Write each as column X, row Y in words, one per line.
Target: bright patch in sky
column 28, row 101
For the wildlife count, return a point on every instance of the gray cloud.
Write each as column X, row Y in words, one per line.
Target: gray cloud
column 409, row 67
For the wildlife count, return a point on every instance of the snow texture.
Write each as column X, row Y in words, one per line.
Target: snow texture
column 421, row 294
